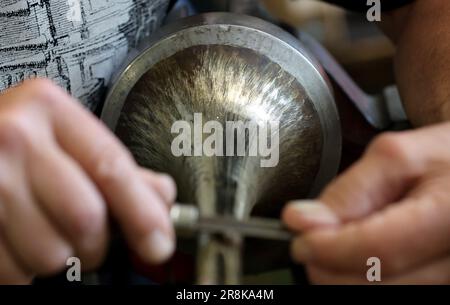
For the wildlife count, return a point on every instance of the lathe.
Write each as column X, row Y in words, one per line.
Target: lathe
column 230, row 67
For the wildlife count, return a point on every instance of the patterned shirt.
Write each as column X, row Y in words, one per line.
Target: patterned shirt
column 76, row 43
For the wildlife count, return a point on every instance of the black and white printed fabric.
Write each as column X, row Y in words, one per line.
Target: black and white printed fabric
column 76, row 43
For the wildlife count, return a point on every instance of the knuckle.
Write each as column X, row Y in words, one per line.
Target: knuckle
column 42, row 90
column 89, row 221
column 392, row 146
column 40, row 85
column 111, row 166
column 15, row 131
column 30, row 92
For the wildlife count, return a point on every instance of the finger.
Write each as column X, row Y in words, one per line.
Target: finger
column 381, row 177
column 140, row 211
column 402, row 237
column 162, row 183
column 307, row 215
column 386, row 172
column 37, row 244
column 436, row 273
column 71, row 202
column 10, row 271
column 321, row 276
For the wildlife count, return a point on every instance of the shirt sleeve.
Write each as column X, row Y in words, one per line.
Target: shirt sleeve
column 362, row 6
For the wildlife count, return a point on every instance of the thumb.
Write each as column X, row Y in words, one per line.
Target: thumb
column 382, row 176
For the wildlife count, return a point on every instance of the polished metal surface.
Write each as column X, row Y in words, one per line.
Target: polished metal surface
column 228, row 67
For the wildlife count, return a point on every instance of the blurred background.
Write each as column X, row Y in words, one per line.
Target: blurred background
column 358, row 45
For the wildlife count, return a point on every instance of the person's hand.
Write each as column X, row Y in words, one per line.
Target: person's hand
column 393, row 204
column 61, row 172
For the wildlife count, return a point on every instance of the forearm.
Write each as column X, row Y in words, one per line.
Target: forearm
column 422, row 63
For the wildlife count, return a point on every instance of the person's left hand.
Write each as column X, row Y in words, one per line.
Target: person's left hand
column 394, row 204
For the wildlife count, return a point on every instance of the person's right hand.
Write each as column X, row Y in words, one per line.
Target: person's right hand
column 392, row 205
column 61, row 172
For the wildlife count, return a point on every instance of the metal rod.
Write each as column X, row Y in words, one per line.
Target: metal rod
column 187, row 218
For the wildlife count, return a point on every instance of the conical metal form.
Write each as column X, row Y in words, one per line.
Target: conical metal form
column 207, row 73
column 224, row 84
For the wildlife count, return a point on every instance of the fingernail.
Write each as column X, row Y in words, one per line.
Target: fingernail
column 314, row 211
column 301, row 251
column 169, row 186
column 158, row 247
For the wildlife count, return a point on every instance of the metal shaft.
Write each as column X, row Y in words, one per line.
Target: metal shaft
column 187, row 217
